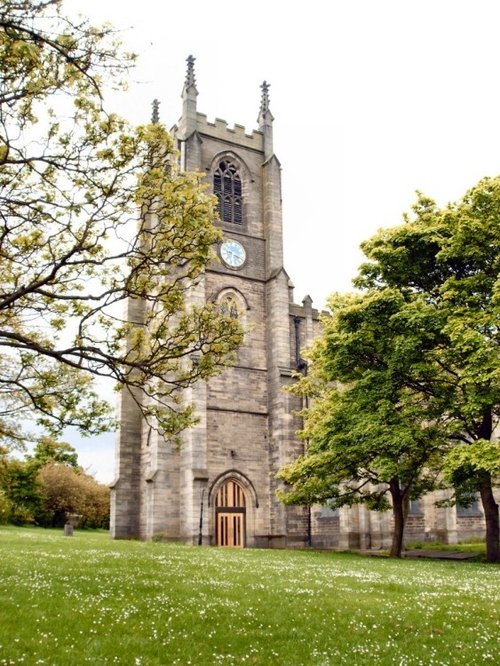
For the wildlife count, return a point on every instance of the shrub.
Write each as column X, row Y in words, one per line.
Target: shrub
column 65, row 490
column 5, row 508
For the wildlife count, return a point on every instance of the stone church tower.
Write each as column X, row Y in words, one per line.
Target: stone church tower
column 219, row 488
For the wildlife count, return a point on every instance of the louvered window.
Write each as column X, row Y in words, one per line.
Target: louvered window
column 227, row 188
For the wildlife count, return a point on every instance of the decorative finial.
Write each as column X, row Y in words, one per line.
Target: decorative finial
column 190, row 76
column 155, row 116
column 264, row 102
column 265, row 121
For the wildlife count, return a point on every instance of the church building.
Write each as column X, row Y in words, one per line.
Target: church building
column 220, row 487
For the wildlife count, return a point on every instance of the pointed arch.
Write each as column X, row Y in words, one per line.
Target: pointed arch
column 232, row 302
column 235, row 293
column 230, row 495
column 228, row 174
column 228, row 190
column 241, row 479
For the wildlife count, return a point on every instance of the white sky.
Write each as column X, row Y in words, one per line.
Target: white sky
column 372, row 99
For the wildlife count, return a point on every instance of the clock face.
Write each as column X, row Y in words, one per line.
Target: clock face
column 233, row 253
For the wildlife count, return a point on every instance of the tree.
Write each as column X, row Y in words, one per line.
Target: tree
column 368, row 436
column 20, row 489
column 448, row 261
column 48, row 486
column 432, row 287
column 65, row 490
column 48, row 449
column 93, row 214
column 19, row 484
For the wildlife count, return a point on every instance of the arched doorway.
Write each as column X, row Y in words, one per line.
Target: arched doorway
column 230, row 514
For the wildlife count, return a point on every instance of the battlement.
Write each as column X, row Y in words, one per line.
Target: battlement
column 219, row 130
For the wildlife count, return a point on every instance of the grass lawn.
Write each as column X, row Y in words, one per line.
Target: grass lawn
column 90, row 600
column 477, row 547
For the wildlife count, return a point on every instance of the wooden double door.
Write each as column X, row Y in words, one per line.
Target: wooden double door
column 230, row 515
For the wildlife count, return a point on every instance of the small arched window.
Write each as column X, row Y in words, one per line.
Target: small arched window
column 227, row 188
column 228, row 306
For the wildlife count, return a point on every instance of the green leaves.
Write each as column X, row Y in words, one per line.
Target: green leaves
column 478, row 457
column 406, row 377
column 95, row 218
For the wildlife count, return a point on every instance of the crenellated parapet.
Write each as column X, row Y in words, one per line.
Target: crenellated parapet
column 219, row 129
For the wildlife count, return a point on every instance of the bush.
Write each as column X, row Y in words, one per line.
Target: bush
column 21, row 515
column 19, row 488
column 65, row 490
column 5, row 508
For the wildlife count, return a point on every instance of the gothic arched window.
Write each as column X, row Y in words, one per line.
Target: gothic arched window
column 228, row 306
column 227, row 188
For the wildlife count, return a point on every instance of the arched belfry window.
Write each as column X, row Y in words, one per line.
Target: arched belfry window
column 227, row 188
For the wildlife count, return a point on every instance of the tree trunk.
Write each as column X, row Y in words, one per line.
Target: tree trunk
column 488, row 500
column 492, row 520
column 399, row 518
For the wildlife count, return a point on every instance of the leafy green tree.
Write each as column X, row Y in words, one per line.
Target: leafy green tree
column 448, row 263
column 48, row 485
column 48, row 449
column 428, row 324
column 369, row 436
column 65, row 490
column 5, row 503
column 95, row 503
column 21, row 491
column 5, row 507
column 92, row 214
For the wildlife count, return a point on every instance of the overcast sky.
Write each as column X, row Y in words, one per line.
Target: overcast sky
column 372, row 101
